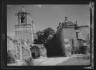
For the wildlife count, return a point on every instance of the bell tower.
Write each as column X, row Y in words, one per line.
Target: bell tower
column 24, row 30
column 22, row 16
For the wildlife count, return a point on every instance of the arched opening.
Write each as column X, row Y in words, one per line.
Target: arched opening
column 22, row 19
column 33, row 55
column 35, row 52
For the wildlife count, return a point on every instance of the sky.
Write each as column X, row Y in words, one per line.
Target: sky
column 48, row 15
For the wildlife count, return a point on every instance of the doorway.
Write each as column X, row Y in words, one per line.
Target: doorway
column 33, row 55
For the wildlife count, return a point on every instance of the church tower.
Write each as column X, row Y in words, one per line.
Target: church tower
column 24, row 31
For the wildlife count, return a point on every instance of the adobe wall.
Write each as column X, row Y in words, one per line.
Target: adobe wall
column 64, row 34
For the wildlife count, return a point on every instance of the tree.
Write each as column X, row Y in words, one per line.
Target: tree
column 43, row 36
column 48, row 32
column 40, row 38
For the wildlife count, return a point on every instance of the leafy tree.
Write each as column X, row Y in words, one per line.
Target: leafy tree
column 43, row 36
column 48, row 32
column 40, row 38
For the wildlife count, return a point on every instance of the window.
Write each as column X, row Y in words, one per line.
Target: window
column 22, row 19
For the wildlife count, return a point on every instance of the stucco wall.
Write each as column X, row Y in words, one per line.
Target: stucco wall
column 70, row 33
column 64, row 34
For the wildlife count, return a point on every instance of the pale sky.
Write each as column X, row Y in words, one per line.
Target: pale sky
column 45, row 16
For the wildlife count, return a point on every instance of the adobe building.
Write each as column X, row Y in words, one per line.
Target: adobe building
column 24, row 30
column 38, row 50
column 24, row 33
column 67, row 34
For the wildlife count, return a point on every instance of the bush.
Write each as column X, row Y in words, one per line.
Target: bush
column 28, row 61
column 10, row 58
column 81, row 47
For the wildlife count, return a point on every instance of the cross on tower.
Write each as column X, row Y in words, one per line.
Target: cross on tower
column 66, row 18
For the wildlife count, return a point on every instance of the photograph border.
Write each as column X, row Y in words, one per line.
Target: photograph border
column 4, row 32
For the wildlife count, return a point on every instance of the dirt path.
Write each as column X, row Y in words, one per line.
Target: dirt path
column 54, row 60
column 48, row 61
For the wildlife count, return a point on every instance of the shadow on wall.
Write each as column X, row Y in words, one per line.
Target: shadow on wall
column 53, row 47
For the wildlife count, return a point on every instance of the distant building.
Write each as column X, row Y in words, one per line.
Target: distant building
column 67, row 34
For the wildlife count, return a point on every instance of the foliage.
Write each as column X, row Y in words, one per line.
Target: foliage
column 43, row 36
column 82, row 48
column 28, row 61
column 10, row 58
column 47, row 32
column 40, row 38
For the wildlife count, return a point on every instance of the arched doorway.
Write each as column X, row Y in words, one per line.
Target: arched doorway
column 35, row 52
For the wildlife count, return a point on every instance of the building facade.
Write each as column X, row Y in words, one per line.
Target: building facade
column 23, row 30
column 67, row 34
column 24, row 33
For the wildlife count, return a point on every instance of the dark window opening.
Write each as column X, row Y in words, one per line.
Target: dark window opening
column 22, row 19
column 33, row 55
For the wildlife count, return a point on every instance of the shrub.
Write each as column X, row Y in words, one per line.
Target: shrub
column 82, row 48
column 10, row 58
column 28, row 61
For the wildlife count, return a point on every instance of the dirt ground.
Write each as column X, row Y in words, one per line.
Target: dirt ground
column 76, row 59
